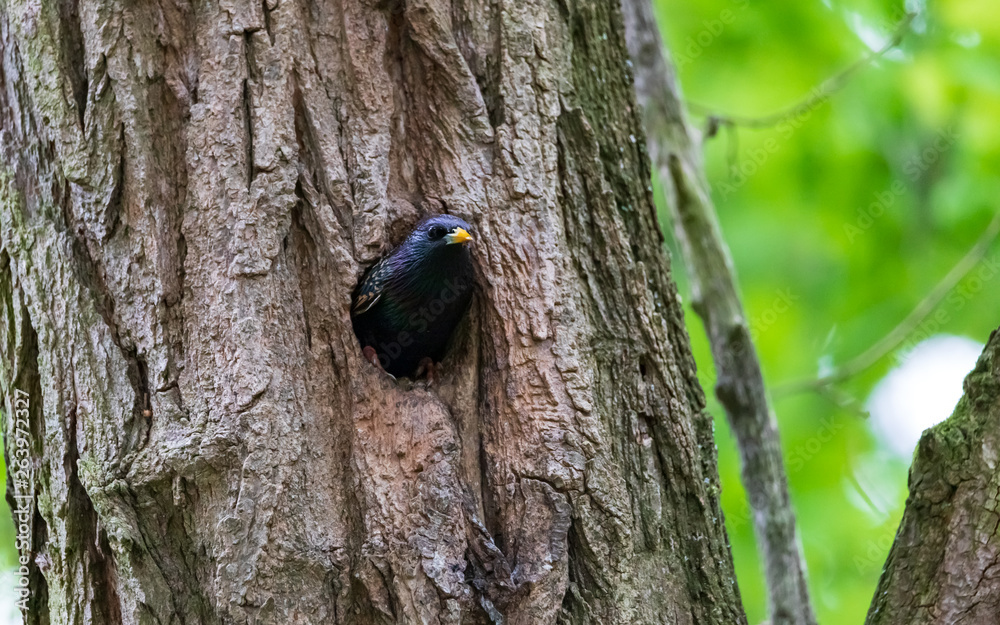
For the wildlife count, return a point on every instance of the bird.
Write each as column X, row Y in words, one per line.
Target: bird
column 407, row 305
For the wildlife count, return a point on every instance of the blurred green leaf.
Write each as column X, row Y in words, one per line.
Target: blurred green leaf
column 853, row 212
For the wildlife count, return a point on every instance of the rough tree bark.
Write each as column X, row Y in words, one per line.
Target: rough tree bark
column 675, row 150
column 944, row 566
column 189, row 194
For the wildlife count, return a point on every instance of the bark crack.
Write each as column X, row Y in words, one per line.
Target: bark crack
column 247, row 102
column 113, row 210
column 91, row 276
column 267, row 8
column 71, row 42
column 83, row 524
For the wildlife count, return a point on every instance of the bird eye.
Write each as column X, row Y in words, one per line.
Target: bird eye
column 436, row 232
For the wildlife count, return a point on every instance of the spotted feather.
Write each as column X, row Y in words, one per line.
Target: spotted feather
column 371, row 288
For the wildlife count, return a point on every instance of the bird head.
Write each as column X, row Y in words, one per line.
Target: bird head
column 439, row 233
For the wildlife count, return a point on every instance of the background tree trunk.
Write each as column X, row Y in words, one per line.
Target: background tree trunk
column 189, row 195
column 944, row 566
column 675, row 150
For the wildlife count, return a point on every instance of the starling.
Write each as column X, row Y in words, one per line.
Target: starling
column 408, row 304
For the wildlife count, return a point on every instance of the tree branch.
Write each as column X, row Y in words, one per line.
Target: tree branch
column 894, row 338
column 943, row 562
column 740, row 385
column 817, row 96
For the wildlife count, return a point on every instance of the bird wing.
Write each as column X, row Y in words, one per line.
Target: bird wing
column 371, row 288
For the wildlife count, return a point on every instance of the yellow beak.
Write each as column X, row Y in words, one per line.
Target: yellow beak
column 458, row 235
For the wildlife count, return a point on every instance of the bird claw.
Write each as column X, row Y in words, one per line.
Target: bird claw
column 372, row 356
column 427, row 366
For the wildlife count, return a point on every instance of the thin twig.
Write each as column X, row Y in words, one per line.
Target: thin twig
column 895, row 338
column 819, row 94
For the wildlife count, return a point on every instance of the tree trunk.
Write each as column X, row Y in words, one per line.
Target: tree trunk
column 675, row 149
column 189, row 195
column 944, row 566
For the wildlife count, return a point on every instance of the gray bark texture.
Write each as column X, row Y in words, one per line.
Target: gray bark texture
column 188, row 195
column 944, row 565
column 675, row 149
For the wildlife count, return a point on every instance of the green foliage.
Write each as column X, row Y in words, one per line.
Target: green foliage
column 840, row 221
column 8, row 554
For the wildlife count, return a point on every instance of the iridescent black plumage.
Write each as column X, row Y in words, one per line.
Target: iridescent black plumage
column 408, row 304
